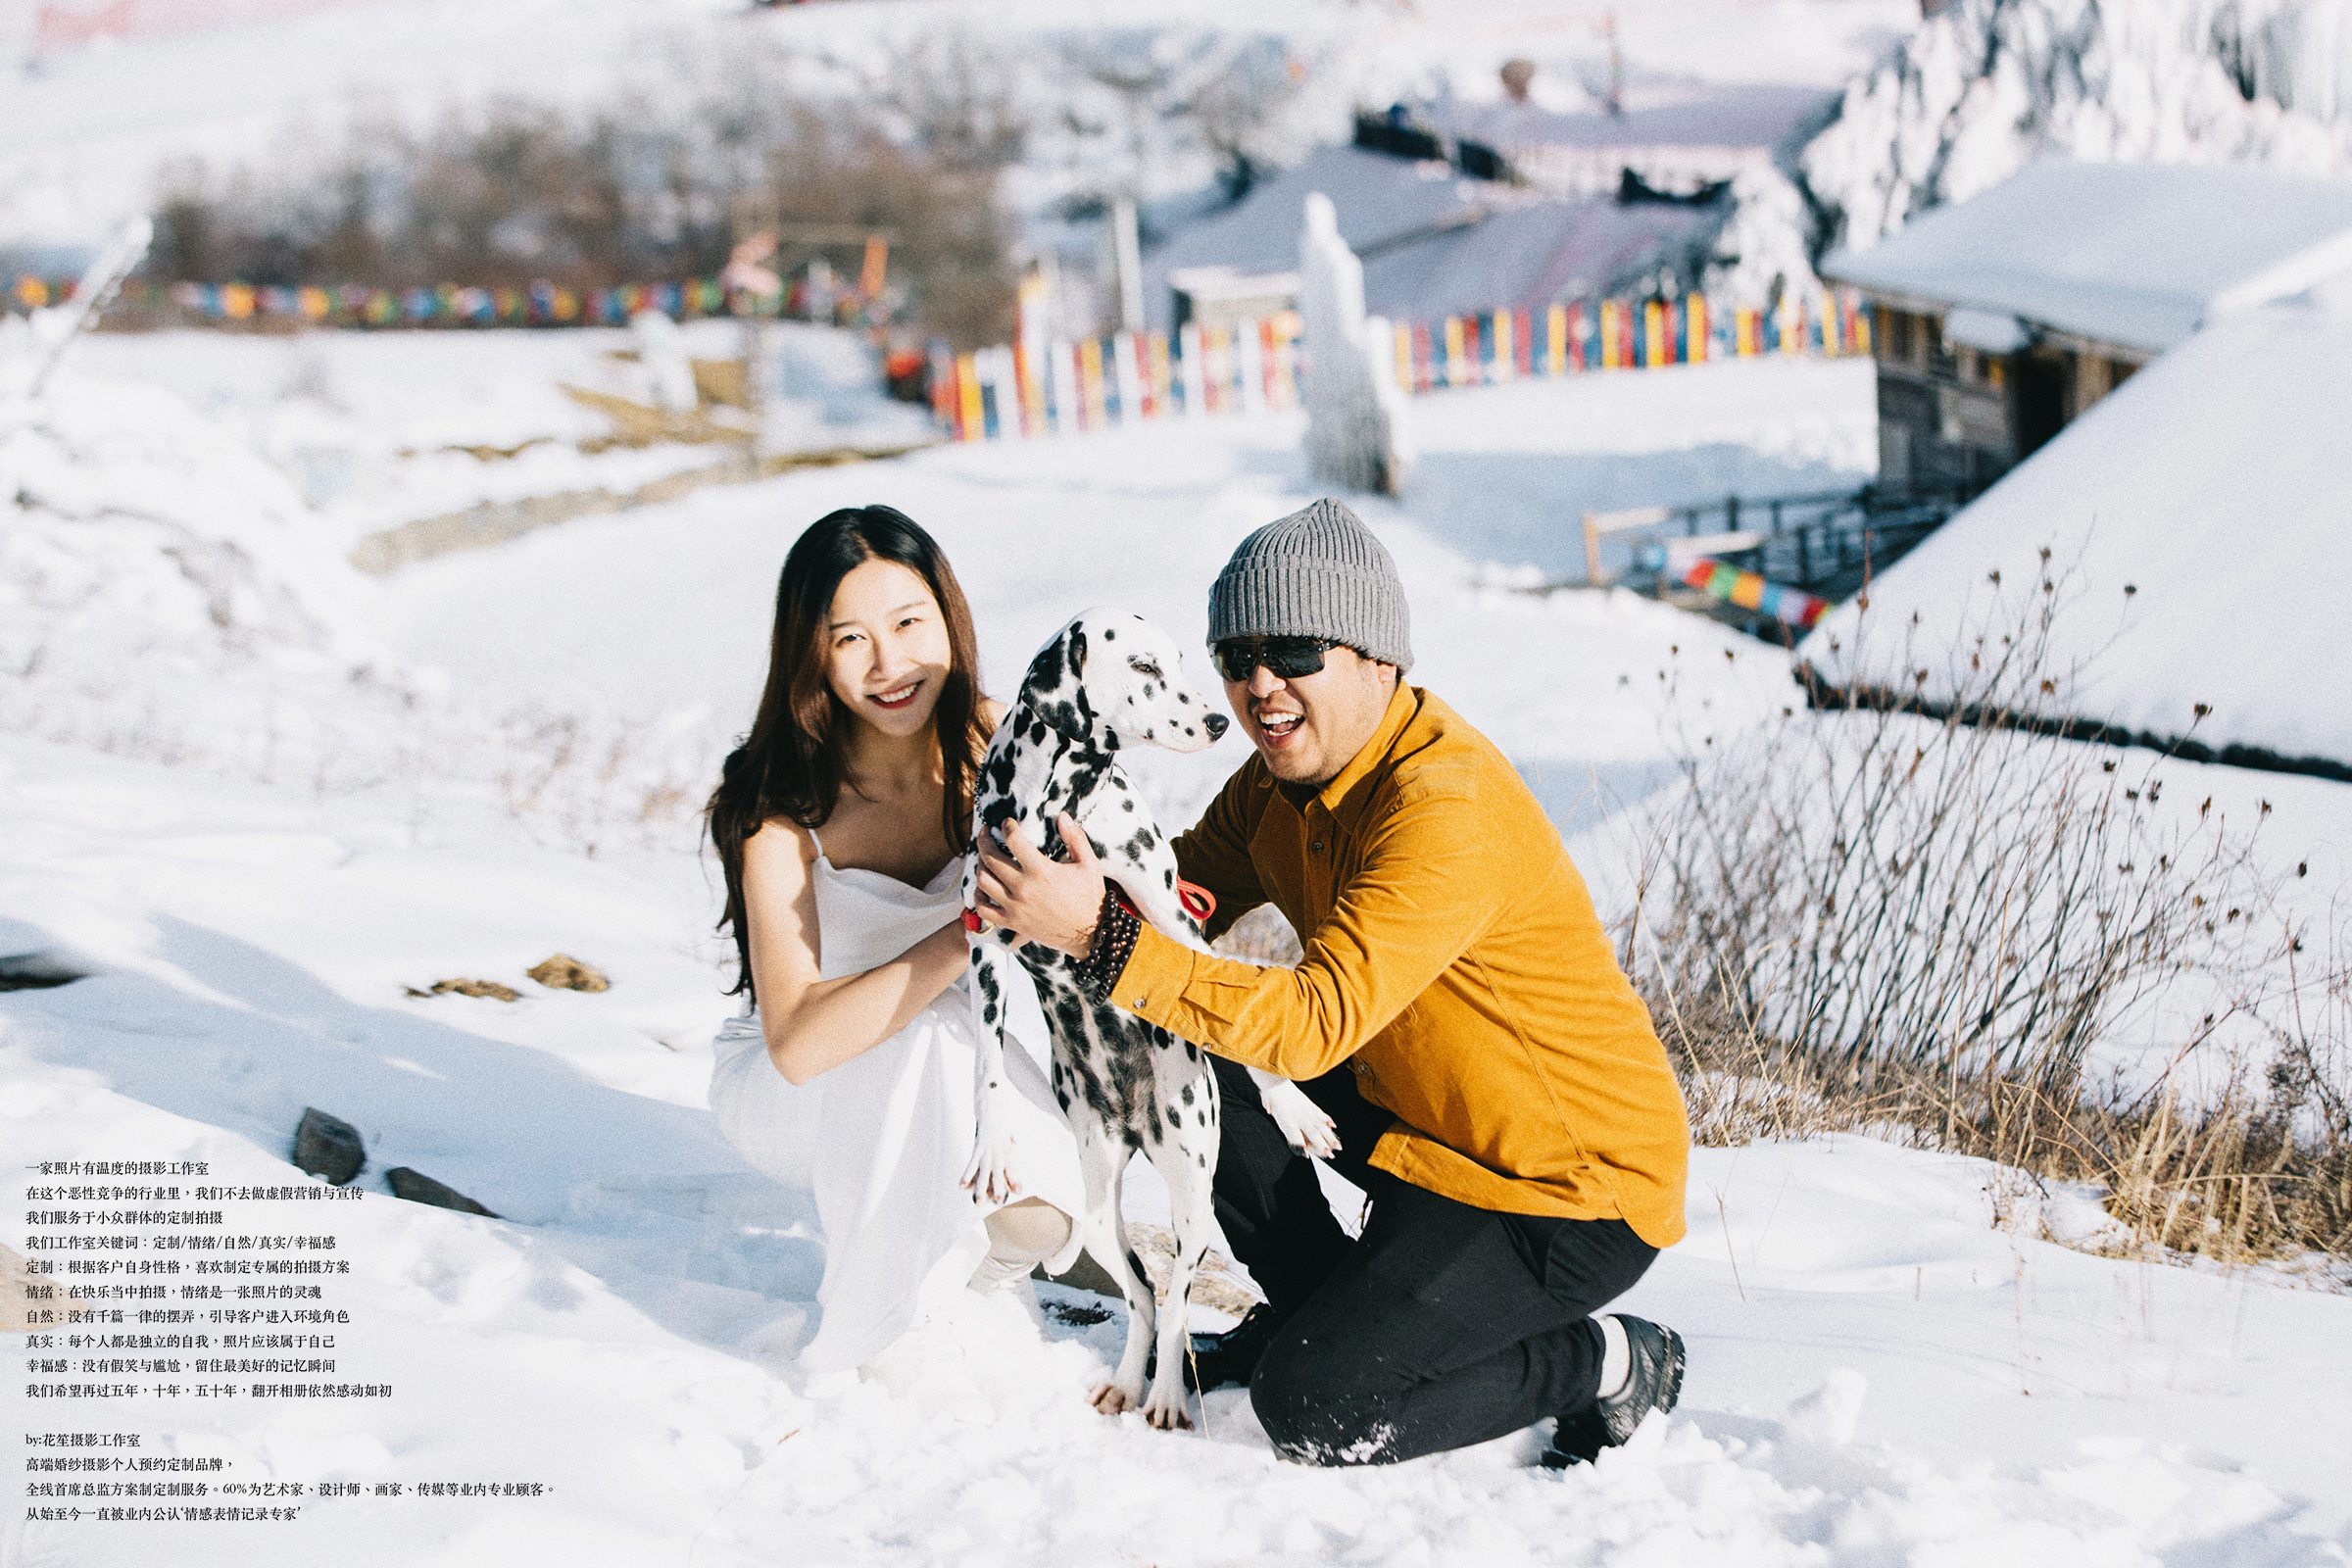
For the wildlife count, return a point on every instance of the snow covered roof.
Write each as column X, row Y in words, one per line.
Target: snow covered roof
column 1433, row 242
column 2131, row 254
column 1706, row 114
column 2210, row 487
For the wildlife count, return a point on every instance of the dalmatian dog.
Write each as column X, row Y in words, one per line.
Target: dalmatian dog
column 1106, row 680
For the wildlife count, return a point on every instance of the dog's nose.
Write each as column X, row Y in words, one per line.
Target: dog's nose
column 1216, row 723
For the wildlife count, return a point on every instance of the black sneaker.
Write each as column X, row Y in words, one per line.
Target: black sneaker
column 1216, row 1359
column 1656, row 1382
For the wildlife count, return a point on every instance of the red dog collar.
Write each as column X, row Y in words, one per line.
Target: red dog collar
column 1198, row 901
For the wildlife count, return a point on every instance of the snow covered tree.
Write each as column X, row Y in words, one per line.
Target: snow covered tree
column 1985, row 86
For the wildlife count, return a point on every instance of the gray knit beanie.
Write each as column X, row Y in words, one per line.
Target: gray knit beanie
column 1315, row 573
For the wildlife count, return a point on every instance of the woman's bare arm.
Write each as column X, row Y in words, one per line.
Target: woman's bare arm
column 813, row 1025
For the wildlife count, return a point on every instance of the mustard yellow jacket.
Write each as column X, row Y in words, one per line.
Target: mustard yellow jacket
column 1453, row 960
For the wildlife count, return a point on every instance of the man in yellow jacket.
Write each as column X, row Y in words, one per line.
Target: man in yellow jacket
column 1459, row 1012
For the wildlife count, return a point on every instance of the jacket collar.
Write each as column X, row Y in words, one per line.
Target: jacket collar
column 1346, row 796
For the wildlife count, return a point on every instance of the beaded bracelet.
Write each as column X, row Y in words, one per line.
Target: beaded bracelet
column 1115, row 931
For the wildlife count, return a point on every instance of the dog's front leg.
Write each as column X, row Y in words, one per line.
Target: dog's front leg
column 1102, row 1161
column 990, row 1176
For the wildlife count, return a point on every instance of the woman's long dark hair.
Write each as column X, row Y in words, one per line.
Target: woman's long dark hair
column 793, row 764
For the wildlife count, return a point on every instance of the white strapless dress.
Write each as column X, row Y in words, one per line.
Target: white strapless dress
column 882, row 1141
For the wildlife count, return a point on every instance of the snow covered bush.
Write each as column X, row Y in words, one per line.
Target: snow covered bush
column 1760, row 254
column 1882, row 882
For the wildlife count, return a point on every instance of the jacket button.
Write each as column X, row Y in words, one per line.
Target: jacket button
column 1316, row 846
column 1137, row 1003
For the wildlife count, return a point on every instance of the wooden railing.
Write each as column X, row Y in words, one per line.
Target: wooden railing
column 1827, row 543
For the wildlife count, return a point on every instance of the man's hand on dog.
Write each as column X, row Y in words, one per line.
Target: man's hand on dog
column 1039, row 898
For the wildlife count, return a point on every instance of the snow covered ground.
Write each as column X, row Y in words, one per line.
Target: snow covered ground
column 1882, row 1369
column 383, row 428
column 1889, row 1362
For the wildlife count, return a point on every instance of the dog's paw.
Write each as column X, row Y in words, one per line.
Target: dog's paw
column 990, row 1177
column 1165, row 1408
column 1303, row 1122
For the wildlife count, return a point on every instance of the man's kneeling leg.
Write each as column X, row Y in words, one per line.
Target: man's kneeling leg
column 1445, row 1325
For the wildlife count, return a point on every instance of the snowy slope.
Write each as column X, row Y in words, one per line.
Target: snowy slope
column 384, row 428
column 2209, row 485
column 172, row 593
column 258, row 798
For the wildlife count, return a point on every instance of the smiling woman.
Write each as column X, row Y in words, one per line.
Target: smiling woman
column 889, row 655
column 850, row 1073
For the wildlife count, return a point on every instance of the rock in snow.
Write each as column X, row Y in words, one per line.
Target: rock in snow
column 327, row 1147
column 419, row 1188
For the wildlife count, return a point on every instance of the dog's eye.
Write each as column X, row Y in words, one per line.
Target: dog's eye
column 1144, row 667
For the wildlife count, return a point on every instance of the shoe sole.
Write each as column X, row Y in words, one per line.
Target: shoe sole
column 1670, row 1391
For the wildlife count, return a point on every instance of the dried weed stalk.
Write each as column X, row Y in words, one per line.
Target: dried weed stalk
column 1881, row 912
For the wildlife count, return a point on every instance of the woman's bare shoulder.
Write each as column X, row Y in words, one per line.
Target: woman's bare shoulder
column 779, row 845
column 992, row 713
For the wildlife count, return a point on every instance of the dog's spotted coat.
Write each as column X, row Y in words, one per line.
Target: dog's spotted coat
column 1107, row 679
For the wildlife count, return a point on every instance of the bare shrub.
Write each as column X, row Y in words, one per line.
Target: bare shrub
column 1877, row 913
column 959, row 100
column 950, row 239
column 1236, row 97
column 1232, row 98
column 1882, row 886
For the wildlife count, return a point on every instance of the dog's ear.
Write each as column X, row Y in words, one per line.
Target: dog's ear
column 1065, row 652
column 1055, row 689
column 1046, row 669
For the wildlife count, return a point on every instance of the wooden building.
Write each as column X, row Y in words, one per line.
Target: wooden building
column 2003, row 318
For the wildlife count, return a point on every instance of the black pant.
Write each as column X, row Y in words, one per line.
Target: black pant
column 1442, row 1325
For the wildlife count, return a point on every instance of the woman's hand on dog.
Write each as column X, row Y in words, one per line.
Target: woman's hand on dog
column 1039, row 898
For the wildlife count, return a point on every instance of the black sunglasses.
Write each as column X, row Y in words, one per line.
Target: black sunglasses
column 1287, row 657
